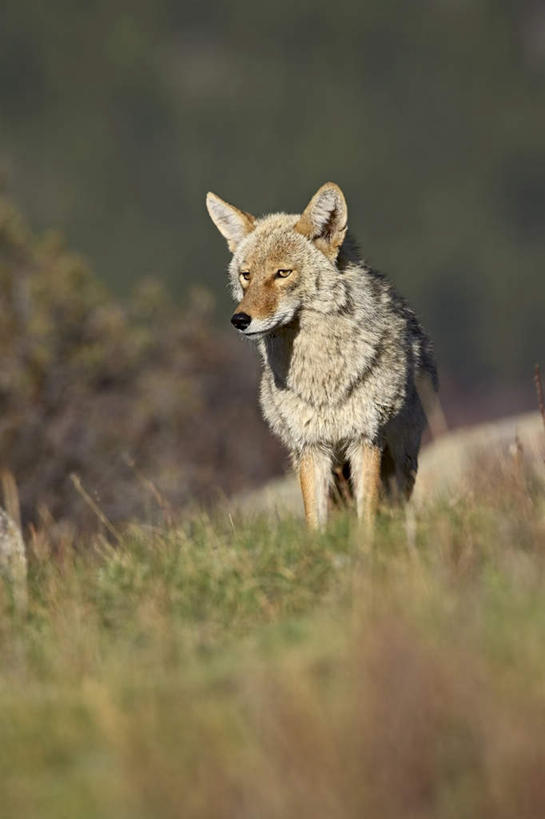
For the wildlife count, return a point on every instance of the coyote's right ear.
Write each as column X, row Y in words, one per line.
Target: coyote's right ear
column 324, row 220
column 232, row 223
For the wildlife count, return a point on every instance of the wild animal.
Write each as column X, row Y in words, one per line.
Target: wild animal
column 347, row 368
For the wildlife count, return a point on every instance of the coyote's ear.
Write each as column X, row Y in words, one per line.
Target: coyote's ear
column 232, row 223
column 324, row 220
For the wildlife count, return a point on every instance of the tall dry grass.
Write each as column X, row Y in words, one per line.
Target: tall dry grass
column 229, row 668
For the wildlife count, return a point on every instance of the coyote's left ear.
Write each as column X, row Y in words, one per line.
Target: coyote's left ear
column 324, row 220
column 232, row 223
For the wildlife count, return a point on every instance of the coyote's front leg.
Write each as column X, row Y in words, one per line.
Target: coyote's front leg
column 365, row 461
column 314, row 475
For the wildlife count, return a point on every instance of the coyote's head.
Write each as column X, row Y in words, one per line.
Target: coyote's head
column 281, row 262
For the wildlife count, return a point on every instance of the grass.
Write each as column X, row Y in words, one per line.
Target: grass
column 223, row 668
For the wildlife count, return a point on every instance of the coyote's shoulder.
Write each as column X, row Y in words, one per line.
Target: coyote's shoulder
column 342, row 371
column 343, row 353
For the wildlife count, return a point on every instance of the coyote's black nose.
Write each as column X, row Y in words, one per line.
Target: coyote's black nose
column 241, row 320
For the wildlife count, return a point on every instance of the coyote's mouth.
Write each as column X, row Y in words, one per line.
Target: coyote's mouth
column 259, row 328
column 260, row 332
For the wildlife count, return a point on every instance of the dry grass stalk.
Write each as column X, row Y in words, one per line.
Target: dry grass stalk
column 151, row 489
column 11, row 496
column 539, row 391
column 94, row 506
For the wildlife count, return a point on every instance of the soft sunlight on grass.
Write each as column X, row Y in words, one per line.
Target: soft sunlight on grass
column 230, row 668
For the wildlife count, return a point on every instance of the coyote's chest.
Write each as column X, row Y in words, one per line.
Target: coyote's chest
column 318, row 388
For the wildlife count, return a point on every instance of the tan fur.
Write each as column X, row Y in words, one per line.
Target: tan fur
column 343, row 354
column 231, row 222
column 330, row 239
column 314, row 468
column 308, row 490
column 263, row 291
column 366, row 465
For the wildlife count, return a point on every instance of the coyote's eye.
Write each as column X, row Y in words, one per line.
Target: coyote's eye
column 283, row 274
column 245, row 275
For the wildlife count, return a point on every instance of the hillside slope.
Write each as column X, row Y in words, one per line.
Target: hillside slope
column 445, row 464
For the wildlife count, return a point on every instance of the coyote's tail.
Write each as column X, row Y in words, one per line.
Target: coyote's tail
column 426, row 387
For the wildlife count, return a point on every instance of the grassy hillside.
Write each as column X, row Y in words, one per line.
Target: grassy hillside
column 229, row 668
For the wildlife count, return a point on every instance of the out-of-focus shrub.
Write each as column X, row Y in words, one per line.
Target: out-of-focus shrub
column 146, row 402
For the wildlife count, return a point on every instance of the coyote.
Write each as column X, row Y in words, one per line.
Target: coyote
column 346, row 365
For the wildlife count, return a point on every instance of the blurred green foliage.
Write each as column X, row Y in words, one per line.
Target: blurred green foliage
column 144, row 402
column 117, row 117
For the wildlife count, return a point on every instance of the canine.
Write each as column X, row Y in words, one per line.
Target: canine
column 347, row 368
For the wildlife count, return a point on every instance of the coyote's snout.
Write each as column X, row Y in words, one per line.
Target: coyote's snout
column 342, row 351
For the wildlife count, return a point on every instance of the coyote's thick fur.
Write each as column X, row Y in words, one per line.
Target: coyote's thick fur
column 346, row 363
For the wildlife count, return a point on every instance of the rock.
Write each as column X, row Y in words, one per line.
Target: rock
column 13, row 563
column 445, row 465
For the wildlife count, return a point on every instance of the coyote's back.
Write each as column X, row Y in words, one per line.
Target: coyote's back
column 346, row 364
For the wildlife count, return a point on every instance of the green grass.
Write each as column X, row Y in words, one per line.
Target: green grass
column 225, row 668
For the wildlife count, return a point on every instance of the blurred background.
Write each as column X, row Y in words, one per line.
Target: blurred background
column 117, row 117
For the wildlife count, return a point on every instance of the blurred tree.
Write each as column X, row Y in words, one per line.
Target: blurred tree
column 145, row 402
